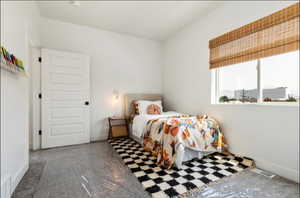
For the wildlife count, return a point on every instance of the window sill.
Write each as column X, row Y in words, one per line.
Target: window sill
column 271, row 104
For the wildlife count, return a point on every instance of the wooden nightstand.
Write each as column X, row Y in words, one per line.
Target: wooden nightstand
column 118, row 127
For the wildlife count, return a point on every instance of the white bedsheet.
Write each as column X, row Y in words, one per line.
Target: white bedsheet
column 140, row 121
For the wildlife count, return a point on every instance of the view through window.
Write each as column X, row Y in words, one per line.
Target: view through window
column 278, row 79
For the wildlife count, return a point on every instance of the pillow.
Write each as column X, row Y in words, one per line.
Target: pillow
column 149, row 107
column 153, row 109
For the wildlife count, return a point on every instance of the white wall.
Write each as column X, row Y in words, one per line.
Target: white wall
column 19, row 24
column 117, row 61
column 268, row 134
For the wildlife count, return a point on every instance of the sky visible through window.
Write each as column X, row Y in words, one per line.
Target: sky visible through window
column 237, row 77
column 282, row 71
column 276, row 72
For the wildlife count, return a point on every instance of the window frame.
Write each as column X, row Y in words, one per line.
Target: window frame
column 215, row 73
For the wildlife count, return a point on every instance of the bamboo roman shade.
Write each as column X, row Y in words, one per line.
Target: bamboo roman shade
column 275, row 34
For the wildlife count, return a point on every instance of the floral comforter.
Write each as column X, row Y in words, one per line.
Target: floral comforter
column 164, row 135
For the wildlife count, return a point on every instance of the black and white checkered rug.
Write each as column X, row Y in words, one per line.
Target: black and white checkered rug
column 193, row 176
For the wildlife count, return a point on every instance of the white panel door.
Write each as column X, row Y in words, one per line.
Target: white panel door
column 65, row 98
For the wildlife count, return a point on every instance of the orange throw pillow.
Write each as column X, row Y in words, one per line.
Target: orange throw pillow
column 153, row 109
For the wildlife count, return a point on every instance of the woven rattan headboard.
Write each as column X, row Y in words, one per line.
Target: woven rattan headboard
column 128, row 98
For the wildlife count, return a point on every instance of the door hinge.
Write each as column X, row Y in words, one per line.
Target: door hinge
column 40, row 95
column 40, row 132
column 40, row 59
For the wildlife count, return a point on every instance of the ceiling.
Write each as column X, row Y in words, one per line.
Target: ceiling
column 149, row 19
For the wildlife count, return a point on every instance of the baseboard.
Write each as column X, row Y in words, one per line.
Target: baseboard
column 18, row 177
column 6, row 186
column 97, row 139
column 285, row 172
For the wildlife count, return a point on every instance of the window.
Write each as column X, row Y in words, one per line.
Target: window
column 271, row 79
column 258, row 62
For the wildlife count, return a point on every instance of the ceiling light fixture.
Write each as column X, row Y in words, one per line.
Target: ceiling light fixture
column 75, row 3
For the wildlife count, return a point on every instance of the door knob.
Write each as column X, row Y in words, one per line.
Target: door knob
column 87, row 103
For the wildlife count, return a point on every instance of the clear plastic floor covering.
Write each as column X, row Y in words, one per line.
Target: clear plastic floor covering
column 95, row 170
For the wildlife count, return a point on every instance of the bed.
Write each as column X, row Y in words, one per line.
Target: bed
column 138, row 125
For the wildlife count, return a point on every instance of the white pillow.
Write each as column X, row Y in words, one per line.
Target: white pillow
column 143, row 105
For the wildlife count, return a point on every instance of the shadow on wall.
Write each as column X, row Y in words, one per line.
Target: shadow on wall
column 103, row 129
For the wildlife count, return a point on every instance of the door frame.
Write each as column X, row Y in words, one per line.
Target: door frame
column 35, row 81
